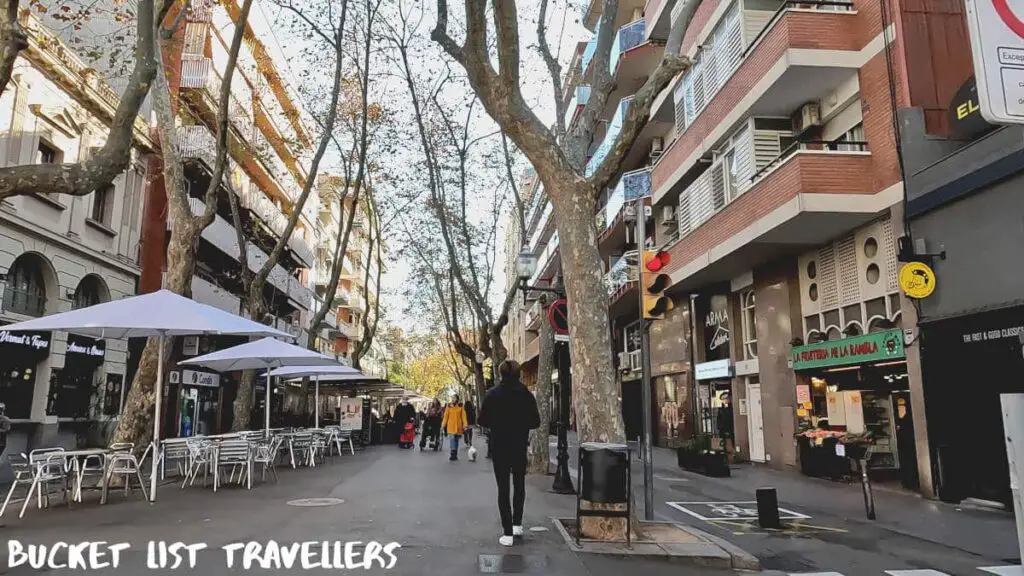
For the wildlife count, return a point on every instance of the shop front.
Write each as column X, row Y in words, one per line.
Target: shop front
column 967, row 363
column 853, row 394
column 714, row 373
column 20, row 357
column 77, row 394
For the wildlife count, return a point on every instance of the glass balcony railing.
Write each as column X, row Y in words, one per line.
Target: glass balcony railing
column 588, row 52
column 579, row 100
column 632, row 185
column 621, row 273
column 614, row 128
column 628, row 37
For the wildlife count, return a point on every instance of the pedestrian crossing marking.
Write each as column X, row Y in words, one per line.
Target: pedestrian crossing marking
column 1004, row 570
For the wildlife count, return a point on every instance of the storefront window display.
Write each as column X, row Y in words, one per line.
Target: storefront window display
column 77, row 383
column 855, row 392
column 20, row 355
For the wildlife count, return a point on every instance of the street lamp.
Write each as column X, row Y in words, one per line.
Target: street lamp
column 526, row 265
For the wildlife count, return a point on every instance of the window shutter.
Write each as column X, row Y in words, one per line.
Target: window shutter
column 744, row 151
column 683, row 214
column 717, row 187
column 680, row 96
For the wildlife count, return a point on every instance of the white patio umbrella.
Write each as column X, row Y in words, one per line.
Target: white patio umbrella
column 158, row 314
column 316, row 372
column 261, row 355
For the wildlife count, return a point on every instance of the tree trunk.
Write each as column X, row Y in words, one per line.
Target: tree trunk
column 244, row 398
column 12, row 41
column 595, row 396
column 539, row 448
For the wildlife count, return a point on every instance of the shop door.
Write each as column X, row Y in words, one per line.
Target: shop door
column 189, row 414
column 755, row 422
column 905, row 448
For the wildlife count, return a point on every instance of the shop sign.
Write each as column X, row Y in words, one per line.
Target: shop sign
column 964, row 116
column 875, row 347
column 713, row 370
column 716, row 328
column 986, row 335
column 36, row 341
column 86, row 346
column 803, row 394
column 194, row 378
column 917, row 280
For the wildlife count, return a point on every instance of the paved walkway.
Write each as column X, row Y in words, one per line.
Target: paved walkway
column 442, row 513
column 910, row 532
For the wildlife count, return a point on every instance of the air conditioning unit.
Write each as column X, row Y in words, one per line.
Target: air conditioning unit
column 624, row 361
column 668, row 215
column 809, row 115
column 657, row 148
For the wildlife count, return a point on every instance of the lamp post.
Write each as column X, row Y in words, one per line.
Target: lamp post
column 526, row 266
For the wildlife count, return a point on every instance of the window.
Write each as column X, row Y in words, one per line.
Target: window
column 48, row 153
column 25, row 292
column 103, row 205
column 719, row 58
column 749, row 325
column 89, row 293
column 852, row 140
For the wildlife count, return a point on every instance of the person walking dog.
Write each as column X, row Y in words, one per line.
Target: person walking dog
column 509, row 412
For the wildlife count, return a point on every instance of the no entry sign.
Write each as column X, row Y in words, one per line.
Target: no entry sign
column 558, row 316
column 997, row 46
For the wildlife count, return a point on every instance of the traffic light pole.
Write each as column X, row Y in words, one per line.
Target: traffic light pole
column 646, row 448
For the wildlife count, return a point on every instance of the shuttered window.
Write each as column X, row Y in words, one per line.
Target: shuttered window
column 718, row 59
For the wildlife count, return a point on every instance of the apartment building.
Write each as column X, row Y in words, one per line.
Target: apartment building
column 57, row 252
column 775, row 182
column 270, row 144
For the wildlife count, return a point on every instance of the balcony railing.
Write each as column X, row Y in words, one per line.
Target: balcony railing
column 588, row 52
column 196, row 142
column 535, row 202
column 533, row 316
column 200, row 10
column 538, row 232
column 579, row 100
column 545, row 258
column 300, row 293
column 632, row 185
column 628, row 37
column 733, row 174
column 614, row 128
column 621, row 273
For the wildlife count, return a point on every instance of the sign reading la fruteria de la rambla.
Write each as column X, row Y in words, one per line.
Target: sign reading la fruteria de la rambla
column 875, row 347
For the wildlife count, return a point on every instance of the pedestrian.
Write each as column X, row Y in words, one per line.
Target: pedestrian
column 471, row 419
column 405, row 415
column 5, row 427
column 509, row 412
column 454, row 424
column 431, row 425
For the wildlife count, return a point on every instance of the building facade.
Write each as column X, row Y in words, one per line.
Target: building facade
column 58, row 252
column 270, row 144
column 775, row 171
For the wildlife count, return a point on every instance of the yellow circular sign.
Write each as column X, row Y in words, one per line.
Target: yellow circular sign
column 917, row 280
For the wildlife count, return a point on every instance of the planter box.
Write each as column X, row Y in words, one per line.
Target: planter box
column 713, row 464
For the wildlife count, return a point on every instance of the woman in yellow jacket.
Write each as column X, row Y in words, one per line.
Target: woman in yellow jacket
column 454, row 424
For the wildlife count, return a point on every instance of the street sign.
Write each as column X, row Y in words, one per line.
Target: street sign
column 997, row 45
column 558, row 316
column 562, row 338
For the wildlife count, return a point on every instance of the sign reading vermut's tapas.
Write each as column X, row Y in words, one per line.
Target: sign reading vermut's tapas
column 875, row 347
column 37, row 341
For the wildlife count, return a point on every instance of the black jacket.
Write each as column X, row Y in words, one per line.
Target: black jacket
column 509, row 412
column 470, row 413
column 404, row 413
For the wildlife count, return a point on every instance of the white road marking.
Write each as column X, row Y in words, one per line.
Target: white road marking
column 915, row 573
column 816, row 574
column 1004, row 570
column 670, row 478
column 730, row 511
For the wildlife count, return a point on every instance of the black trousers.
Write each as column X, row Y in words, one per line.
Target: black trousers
column 468, row 435
column 510, row 468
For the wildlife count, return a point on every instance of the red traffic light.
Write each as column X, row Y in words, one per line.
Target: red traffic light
column 657, row 261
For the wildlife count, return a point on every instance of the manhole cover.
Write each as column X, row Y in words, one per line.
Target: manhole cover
column 313, row 502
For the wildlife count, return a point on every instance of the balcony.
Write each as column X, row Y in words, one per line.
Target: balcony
column 658, row 14
column 206, row 292
column 589, row 51
column 627, row 38
column 541, row 230
column 534, row 317
column 621, row 275
column 576, row 105
column 792, row 56
column 731, row 220
column 590, row 10
column 222, row 236
column 299, row 293
column 196, row 143
column 200, row 10
column 548, row 261
column 610, row 136
column 631, row 186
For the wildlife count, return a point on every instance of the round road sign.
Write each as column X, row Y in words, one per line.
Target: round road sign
column 1008, row 17
column 558, row 316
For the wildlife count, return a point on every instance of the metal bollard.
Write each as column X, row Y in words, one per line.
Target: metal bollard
column 768, row 508
column 869, row 500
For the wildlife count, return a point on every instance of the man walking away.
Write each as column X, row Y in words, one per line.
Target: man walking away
column 509, row 412
column 471, row 421
column 454, row 424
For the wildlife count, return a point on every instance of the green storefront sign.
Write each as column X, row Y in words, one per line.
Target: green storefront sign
column 875, row 347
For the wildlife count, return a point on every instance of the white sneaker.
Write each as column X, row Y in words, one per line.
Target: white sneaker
column 506, row 541
column 517, row 530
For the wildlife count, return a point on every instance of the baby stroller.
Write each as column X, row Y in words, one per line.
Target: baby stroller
column 431, row 431
column 408, row 436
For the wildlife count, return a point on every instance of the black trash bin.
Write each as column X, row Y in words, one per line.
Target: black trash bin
column 605, row 477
